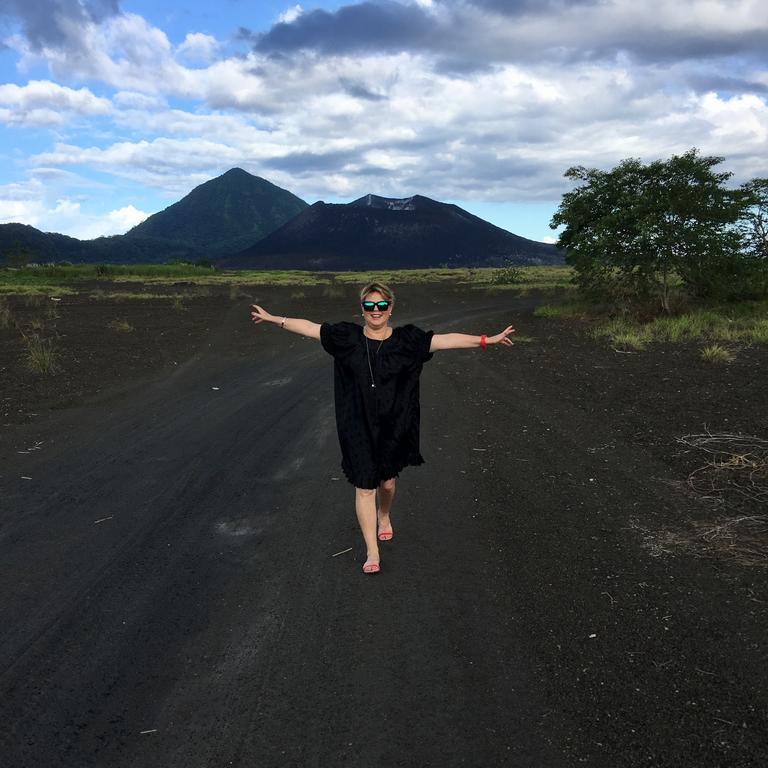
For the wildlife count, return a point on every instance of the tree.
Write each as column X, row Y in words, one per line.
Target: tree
column 17, row 256
column 753, row 228
column 634, row 229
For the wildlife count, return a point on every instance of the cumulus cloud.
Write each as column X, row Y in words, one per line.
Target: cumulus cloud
column 505, row 134
column 380, row 26
column 198, row 48
column 122, row 50
column 457, row 99
column 29, row 203
column 55, row 22
column 123, row 219
column 42, row 102
column 290, row 15
column 470, row 31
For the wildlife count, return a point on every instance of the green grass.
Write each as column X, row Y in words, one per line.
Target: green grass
column 566, row 310
column 60, row 279
column 557, row 279
column 41, row 357
column 742, row 323
column 716, row 353
column 101, row 295
column 177, row 303
column 122, row 326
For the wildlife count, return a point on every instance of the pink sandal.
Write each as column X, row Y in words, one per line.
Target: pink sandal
column 371, row 568
column 385, row 535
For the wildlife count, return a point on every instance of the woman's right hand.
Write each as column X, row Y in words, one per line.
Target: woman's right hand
column 259, row 314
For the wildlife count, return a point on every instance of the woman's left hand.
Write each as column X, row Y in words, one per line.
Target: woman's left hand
column 501, row 338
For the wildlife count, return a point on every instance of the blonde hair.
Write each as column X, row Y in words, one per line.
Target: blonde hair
column 384, row 290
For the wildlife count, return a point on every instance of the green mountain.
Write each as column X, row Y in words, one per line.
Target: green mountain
column 224, row 215
column 25, row 244
column 216, row 219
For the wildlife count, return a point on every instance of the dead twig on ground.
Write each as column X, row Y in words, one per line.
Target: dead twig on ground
column 736, row 476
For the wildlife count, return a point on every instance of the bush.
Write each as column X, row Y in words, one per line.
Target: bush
column 509, row 274
column 635, row 231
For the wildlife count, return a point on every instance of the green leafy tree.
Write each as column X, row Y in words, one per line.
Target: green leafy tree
column 17, row 256
column 631, row 231
column 754, row 231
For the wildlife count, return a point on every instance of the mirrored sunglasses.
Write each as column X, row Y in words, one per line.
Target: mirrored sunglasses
column 370, row 306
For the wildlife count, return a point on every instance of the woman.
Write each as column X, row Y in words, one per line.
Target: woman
column 376, row 383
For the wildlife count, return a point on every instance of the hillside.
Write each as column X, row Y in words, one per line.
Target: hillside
column 377, row 232
column 217, row 218
column 224, row 215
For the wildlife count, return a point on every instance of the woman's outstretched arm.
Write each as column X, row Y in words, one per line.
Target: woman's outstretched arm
column 465, row 340
column 293, row 324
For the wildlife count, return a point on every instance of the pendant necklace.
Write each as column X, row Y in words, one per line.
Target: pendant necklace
column 368, row 355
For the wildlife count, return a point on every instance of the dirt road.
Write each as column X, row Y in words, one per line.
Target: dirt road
column 171, row 593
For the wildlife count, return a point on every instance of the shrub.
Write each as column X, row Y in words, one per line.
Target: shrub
column 41, row 357
column 717, row 354
column 510, row 274
column 635, row 230
column 123, row 326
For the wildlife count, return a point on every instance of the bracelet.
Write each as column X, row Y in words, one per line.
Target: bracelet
column 282, row 325
column 482, row 341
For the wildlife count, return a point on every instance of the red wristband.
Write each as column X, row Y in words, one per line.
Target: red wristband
column 482, row 341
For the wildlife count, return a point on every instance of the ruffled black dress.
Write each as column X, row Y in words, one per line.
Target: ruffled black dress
column 378, row 426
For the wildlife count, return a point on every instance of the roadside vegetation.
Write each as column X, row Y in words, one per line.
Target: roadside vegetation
column 666, row 252
column 40, row 357
column 63, row 278
column 734, row 324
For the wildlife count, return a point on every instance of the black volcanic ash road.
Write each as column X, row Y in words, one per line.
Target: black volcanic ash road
column 169, row 593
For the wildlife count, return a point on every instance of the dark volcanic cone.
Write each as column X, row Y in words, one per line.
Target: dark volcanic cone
column 377, row 232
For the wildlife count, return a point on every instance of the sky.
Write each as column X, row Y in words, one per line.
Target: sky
column 111, row 110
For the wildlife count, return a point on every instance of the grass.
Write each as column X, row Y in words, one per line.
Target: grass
column 121, row 325
column 177, row 303
column 6, row 316
column 60, row 279
column 101, row 295
column 715, row 353
column 41, row 357
column 738, row 323
column 52, row 278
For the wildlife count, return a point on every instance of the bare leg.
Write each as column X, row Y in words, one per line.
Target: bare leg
column 386, row 495
column 365, row 506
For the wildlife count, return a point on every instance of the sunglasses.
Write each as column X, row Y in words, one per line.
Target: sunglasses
column 370, row 306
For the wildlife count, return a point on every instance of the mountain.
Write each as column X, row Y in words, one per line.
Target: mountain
column 377, row 232
column 21, row 240
column 223, row 215
column 39, row 246
column 218, row 218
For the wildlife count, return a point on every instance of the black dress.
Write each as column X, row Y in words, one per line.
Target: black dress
column 378, row 426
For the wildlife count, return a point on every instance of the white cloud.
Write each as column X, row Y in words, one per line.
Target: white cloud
column 290, row 15
column 42, row 102
column 124, row 52
column 29, row 203
column 133, row 100
column 68, row 217
column 123, row 219
column 198, row 48
column 498, row 117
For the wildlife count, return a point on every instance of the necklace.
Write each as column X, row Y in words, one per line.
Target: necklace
column 368, row 356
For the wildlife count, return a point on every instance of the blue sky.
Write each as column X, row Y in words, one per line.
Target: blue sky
column 110, row 110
